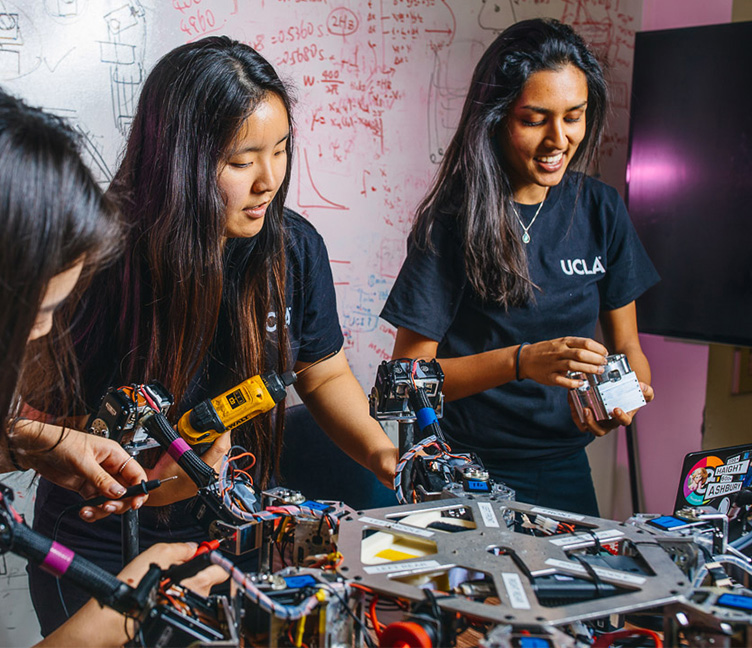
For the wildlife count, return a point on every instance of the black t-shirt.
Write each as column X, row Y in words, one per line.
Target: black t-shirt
column 585, row 257
column 313, row 333
column 311, row 319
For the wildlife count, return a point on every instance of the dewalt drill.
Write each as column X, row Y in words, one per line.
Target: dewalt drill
column 212, row 417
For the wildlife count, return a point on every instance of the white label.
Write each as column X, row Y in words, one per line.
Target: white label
column 714, row 490
column 515, row 591
column 559, row 514
column 402, row 568
column 603, row 536
column 396, row 526
column 607, row 574
column 625, row 393
column 488, row 515
column 737, row 468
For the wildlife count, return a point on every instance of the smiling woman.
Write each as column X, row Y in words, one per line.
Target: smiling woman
column 513, row 258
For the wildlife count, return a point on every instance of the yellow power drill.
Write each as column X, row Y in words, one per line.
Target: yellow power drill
column 212, row 417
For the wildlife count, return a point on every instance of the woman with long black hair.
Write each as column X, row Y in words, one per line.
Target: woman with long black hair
column 55, row 226
column 514, row 257
column 220, row 282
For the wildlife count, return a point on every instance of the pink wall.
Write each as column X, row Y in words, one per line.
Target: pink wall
column 671, row 425
column 672, row 14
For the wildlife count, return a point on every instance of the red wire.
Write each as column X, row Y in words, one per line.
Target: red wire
column 148, row 398
column 607, row 639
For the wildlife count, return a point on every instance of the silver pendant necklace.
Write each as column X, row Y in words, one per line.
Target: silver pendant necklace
column 526, row 230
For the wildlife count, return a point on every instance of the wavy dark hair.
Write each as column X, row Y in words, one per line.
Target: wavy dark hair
column 178, row 271
column 472, row 186
column 52, row 216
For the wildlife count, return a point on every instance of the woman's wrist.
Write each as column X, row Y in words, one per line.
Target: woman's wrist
column 518, row 362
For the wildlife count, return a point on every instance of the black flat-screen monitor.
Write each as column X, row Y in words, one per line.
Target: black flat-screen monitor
column 689, row 180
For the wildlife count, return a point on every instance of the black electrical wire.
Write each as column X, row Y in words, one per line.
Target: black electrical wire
column 591, row 572
column 364, row 628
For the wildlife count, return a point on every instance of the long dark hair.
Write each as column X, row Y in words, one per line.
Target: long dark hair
column 473, row 187
column 52, row 216
column 177, row 271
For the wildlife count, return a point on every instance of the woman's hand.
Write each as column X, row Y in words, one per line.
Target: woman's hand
column 97, row 627
column 167, row 554
column 183, row 487
column 619, row 416
column 548, row 362
column 85, row 463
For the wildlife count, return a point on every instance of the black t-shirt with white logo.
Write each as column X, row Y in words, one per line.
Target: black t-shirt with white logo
column 585, row 257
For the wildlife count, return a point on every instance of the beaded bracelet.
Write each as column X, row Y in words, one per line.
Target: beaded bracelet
column 517, row 361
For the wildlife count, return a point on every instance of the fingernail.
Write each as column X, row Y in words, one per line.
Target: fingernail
column 138, row 504
column 117, row 491
column 87, row 514
column 110, row 508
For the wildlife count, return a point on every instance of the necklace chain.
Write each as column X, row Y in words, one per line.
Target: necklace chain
column 526, row 230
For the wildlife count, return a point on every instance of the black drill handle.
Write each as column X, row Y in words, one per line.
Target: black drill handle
column 160, row 429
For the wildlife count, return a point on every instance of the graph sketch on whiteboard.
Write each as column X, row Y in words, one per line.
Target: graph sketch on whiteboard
column 309, row 196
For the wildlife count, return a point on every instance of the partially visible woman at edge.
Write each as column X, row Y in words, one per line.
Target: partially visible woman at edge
column 220, row 282
column 514, row 257
column 54, row 224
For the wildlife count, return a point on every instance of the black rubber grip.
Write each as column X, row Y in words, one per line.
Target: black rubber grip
column 90, row 578
column 160, row 429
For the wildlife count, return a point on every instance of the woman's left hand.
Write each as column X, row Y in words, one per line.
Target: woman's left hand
column 619, row 416
column 85, row 463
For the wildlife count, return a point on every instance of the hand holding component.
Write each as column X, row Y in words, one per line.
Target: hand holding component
column 619, row 417
column 549, row 361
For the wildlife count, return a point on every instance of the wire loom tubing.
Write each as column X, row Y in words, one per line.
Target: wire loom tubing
column 289, row 612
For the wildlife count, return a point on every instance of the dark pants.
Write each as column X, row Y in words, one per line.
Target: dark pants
column 562, row 483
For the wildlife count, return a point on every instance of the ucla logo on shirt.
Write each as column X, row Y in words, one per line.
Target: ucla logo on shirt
column 581, row 267
column 271, row 320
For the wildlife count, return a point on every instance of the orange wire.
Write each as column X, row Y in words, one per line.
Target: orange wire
column 377, row 627
column 241, row 455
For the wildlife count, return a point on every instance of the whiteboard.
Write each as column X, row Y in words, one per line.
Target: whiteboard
column 380, row 85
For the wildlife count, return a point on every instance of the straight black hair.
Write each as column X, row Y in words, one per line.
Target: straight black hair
column 473, row 186
column 52, row 216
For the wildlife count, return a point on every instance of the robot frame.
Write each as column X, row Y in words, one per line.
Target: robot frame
column 460, row 562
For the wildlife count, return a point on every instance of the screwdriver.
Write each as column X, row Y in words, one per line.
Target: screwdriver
column 139, row 489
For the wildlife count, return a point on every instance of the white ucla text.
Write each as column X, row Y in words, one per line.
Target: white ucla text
column 580, row 266
column 271, row 320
